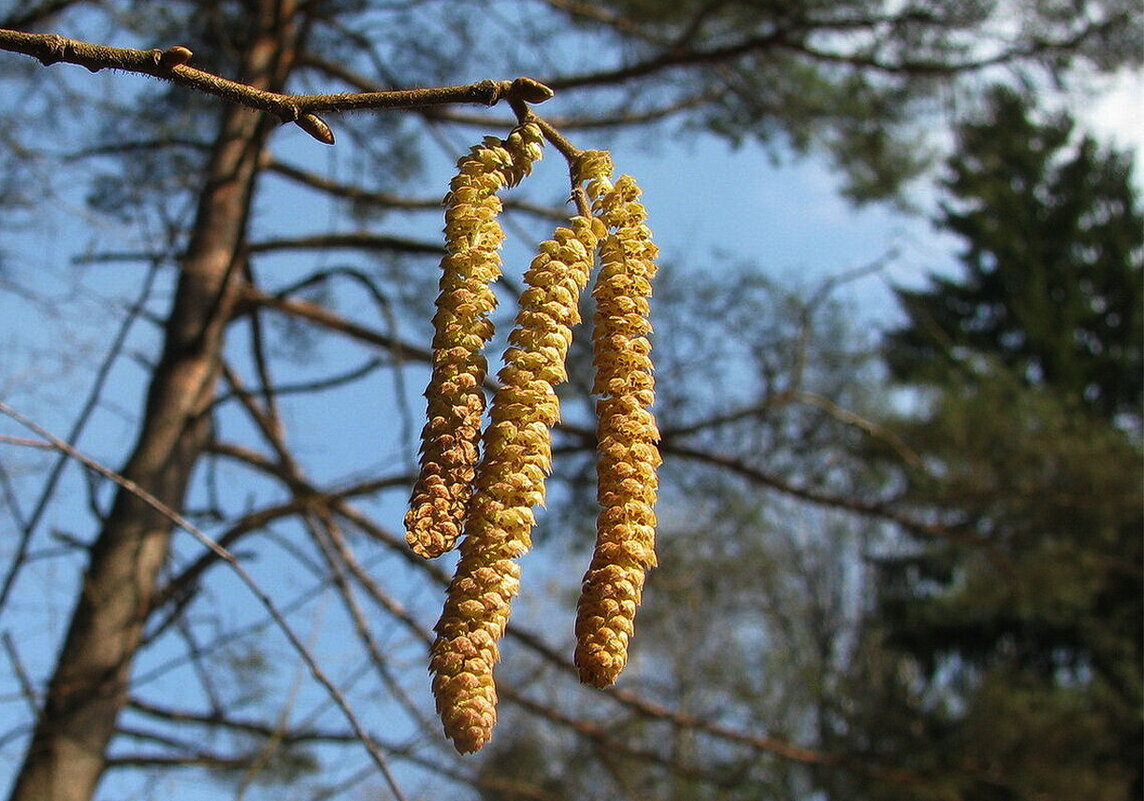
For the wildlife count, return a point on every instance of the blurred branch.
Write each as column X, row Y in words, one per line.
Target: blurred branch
column 200, row 759
column 882, row 510
column 31, row 15
column 27, row 688
column 386, row 200
column 261, row 518
column 592, row 731
column 281, row 389
column 324, row 317
column 219, row 719
column 603, row 736
column 878, row 432
column 324, row 531
column 355, row 241
column 94, row 397
column 1036, row 48
column 342, row 565
column 668, row 59
column 590, row 12
column 793, row 34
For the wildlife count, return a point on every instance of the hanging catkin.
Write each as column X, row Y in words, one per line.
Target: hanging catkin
column 450, row 439
column 626, row 434
column 509, row 483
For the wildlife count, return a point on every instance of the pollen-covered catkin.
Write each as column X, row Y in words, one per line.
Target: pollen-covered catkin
column 627, row 436
column 509, row 483
column 456, row 402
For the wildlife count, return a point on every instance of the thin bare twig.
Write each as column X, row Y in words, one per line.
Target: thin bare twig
column 220, row 552
column 322, row 316
column 27, row 688
column 94, row 395
column 354, row 241
column 302, row 110
column 386, row 200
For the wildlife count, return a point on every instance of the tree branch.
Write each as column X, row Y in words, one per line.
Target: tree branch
column 386, row 200
column 171, row 65
column 220, row 552
column 29, row 16
column 353, row 241
column 219, row 719
column 322, row 316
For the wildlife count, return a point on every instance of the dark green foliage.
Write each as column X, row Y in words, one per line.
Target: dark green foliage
column 1053, row 265
column 1036, row 629
column 1018, row 633
column 857, row 79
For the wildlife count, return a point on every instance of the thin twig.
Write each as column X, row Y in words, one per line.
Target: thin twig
column 90, row 404
column 27, row 688
column 362, row 240
column 181, row 522
column 171, row 65
column 386, row 200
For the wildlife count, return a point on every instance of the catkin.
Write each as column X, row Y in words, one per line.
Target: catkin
column 509, row 483
column 456, row 401
column 626, row 433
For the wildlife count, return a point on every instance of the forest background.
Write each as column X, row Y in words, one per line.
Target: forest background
column 899, row 532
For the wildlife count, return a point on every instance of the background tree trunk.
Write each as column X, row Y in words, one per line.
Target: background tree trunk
column 89, row 687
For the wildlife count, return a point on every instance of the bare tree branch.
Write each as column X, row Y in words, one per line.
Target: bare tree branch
column 363, row 240
column 31, row 15
column 114, row 351
column 221, row 553
column 387, row 200
column 171, row 65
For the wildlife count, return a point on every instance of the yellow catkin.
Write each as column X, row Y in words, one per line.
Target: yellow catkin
column 509, row 483
column 627, row 436
column 450, row 439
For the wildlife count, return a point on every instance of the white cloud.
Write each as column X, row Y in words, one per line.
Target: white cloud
column 1114, row 111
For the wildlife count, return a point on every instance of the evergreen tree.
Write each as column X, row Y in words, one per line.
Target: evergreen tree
column 1053, row 264
column 1020, row 629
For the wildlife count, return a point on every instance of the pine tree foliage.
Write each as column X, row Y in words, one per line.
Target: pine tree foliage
column 1053, row 264
column 1019, row 640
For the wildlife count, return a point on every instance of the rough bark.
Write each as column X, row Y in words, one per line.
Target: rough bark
column 66, row 757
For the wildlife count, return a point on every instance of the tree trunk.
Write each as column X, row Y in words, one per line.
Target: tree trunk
column 67, row 754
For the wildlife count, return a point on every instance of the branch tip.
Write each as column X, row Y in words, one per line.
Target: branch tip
column 531, row 90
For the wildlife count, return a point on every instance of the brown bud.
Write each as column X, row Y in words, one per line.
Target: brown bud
column 531, row 90
column 175, row 56
column 316, row 127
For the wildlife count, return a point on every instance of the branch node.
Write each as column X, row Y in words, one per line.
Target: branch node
column 496, row 90
column 56, row 47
